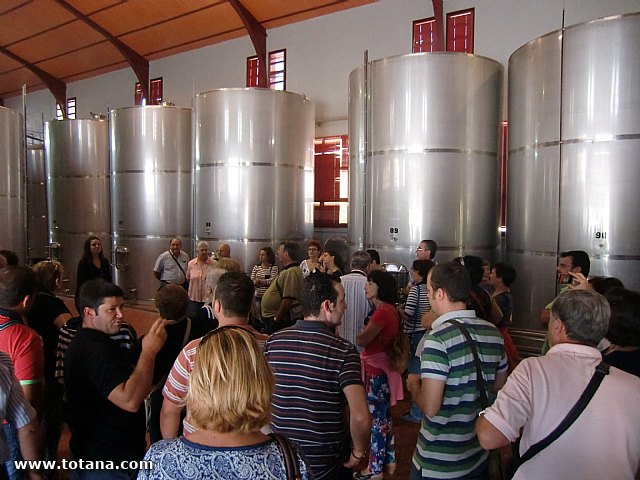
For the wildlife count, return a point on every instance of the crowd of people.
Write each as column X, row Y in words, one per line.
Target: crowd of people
column 291, row 370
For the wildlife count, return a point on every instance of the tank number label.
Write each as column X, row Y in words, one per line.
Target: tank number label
column 601, row 235
column 393, row 234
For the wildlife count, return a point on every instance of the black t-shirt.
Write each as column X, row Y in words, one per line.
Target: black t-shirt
column 95, row 365
column 46, row 308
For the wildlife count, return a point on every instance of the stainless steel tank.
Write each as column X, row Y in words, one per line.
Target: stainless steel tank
column 423, row 134
column 37, row 220
column 12, row 187
column 77, row 166
column 574, row 134
column 151, row 180
column 254, row 169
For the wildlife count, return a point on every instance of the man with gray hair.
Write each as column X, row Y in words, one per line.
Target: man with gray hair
column 353, row 283
column 604, row 440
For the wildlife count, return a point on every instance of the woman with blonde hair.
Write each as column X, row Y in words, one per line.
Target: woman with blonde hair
column 229, row 401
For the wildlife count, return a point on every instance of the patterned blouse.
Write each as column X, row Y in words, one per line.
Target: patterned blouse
column 181, row 458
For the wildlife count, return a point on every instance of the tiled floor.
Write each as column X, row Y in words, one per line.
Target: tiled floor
column 141, row 318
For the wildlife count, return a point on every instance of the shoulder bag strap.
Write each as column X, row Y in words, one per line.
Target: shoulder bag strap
column 601, row 371
column 178, row 263
column 484, row 399
column 290, row 457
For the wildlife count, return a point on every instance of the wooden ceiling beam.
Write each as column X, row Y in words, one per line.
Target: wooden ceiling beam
column 438, row 44
column 258, row 36
column 55, row 85
column 138, row 63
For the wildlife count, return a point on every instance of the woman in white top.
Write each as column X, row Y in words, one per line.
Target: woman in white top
column 197, row 270
column 314, row 249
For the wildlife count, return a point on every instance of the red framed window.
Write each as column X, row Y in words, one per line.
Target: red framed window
column 331, row 187
column 460, row 31
column 276, row 73
column 424, row 35
column 71, row 109
column 155, row 92
column 253, row 73
column 277, row 70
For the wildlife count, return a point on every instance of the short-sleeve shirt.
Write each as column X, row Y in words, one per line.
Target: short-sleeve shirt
column 95, row 365
column 197, row 276
column 24, row 346
column 417, row 305
column 388, row 320
column 287, row 284
column 13, row 406
column 604, row 442
column 447, row 445
column 312, row 367
column 168, row 268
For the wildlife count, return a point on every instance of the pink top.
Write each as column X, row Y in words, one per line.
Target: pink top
column 604, row 442
column 197, row 276
column 380, row 361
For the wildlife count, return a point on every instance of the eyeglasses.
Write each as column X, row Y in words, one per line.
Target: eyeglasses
column 420, row 249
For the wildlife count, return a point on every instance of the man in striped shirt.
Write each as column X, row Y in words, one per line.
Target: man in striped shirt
column 17, row 412
column 447, row 389
column 318, row 376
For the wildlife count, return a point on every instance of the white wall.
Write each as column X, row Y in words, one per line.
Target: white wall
column 321, row 53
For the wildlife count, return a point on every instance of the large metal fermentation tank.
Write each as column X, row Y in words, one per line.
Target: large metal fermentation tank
column 430, row 126
column 37, row 220
column 254, row 169
column 12, row 188
column 151, row 183
column 574, row 137
column 77, row 166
